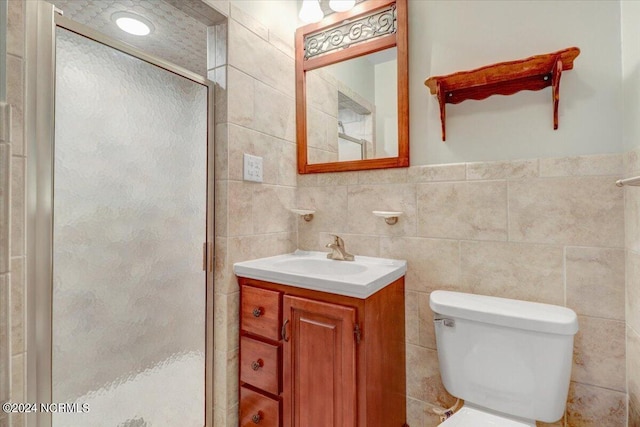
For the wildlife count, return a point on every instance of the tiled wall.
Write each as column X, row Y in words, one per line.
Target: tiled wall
column 255, row 114
column 12, row 195
column 632, row 245
column 548, row 230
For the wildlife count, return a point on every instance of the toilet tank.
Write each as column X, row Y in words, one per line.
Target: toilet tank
column 506, row 355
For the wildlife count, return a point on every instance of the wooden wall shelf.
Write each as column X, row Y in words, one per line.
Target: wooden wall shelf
column 503, row 78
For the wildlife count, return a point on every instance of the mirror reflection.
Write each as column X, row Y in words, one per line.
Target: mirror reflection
column 352, row 109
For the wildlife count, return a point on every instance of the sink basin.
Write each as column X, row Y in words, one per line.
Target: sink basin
column 360, row 278
column 321, row 266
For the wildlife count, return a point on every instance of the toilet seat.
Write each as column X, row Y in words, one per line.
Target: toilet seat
column 468, row 416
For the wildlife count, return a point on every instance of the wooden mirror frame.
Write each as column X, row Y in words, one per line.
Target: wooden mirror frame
column 399, row 39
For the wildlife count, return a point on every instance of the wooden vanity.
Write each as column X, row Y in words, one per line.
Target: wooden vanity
column 318, row 359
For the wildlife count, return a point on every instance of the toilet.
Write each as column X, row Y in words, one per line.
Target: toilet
column 509, row 360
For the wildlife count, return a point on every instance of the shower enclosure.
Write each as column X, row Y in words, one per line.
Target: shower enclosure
column 122, row 213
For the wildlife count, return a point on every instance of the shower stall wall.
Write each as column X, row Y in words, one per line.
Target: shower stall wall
column 123, row 204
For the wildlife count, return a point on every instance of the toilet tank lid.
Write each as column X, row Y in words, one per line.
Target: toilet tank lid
column 510, row 313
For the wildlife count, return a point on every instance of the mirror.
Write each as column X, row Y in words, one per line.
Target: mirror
column 352, row 102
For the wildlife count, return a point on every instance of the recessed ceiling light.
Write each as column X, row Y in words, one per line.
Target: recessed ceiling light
column 132, row 23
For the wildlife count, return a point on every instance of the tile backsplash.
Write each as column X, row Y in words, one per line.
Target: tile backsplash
column 547, row 230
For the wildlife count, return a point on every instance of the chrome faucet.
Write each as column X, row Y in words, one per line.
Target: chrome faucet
column 338, row 252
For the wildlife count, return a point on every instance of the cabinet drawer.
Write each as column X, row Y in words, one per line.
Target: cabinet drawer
column 261, row 312
column 256, row 409
column 260, row 365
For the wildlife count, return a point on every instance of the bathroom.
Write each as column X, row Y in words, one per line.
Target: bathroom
column 506, row 206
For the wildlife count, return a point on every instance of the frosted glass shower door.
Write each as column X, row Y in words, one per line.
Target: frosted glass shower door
column 130, row 200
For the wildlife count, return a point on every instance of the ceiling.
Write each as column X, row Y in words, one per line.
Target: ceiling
column 179, row 37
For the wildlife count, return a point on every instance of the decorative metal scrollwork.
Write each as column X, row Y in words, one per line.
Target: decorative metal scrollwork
column 380, row 23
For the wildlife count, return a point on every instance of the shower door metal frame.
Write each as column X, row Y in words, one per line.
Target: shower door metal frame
column 41, row 22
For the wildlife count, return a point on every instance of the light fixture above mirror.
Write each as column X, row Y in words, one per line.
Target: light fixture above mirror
column 313, row 11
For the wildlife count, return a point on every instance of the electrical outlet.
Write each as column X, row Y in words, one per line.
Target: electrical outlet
column 252, row 168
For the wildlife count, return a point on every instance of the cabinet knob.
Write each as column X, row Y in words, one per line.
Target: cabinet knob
column 256, row 418
column 258, row 311
column 257, row 364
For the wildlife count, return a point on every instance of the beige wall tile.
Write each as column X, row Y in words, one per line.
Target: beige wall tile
column 245, row 248
column 431, row 263
column 276, row 115
column 514, row 169
column 590, row 406
column 17, row 306
column 421, row 413
column 5, row 336
column 599, row 353
column 17, row 206
column 15, row 28
column 363, row 199
column 308, row 180
column 222, row 268
column 220, row 92
column 427, row 330
column 595, row 281
column 284, row 45
column 248, row 21
column 513, row 270
column 632, row 218
column 602, row 164
column 272, row 209
column 287, row 168
column 337, row 178
column 5, row 204
column 633, row 376
column 450, row 172
column 330, row 204
column 411, row 319
column 221, row 208
column 241, row 98
column 15, row 97
column 423, row 377
column 243, row 141
column 633, row 290
column 631, row 161
column 18, row 388
column 383, row 176
column 258, row 58
column 463, row 210
column 221, row 152
column 580, row 211
column 240, row 216
column 221, row 6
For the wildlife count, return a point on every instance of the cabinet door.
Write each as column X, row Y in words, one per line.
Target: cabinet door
column 319, row 369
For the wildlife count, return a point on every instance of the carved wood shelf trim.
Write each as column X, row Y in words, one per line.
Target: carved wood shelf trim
column 504, row 78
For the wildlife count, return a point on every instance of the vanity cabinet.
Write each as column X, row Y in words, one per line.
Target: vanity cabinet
column 316, row 359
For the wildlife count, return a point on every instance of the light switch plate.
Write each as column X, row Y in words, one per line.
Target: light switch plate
column 252, row 168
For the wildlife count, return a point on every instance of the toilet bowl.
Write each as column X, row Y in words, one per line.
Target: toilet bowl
column 509, row 360
column 468, row 416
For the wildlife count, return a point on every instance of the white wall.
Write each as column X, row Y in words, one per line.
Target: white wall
column 630, row 11
column 358, row 74
column 386, row 109
column 450, row 36
column 279, row 16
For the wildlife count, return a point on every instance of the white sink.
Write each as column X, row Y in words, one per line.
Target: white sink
column 360, row 278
